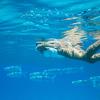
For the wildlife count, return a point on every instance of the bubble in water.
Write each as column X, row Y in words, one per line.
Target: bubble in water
column 13, row 71
column 52, row 73
column 94, row 81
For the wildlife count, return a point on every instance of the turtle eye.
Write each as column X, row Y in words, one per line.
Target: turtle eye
column 51, row 43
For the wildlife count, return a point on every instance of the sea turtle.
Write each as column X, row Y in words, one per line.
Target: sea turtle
column 71, row 46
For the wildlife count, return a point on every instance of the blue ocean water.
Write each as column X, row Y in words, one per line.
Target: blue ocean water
column 25, row 74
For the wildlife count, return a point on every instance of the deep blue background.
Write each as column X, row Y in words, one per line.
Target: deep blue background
column 22, row 23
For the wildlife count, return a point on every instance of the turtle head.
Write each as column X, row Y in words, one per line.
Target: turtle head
column 51, row 44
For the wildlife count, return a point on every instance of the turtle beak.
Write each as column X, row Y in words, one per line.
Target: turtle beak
column 38, row 43
column 40, row 46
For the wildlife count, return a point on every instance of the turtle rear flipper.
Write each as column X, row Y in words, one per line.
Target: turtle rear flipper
column 91, row 50
column 95, row 58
